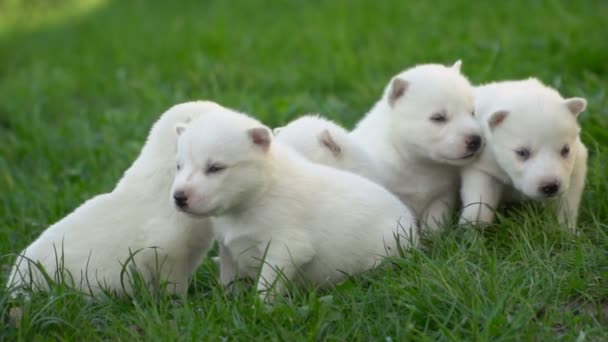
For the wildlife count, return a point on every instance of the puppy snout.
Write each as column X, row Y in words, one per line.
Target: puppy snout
column 473, row 143
column 549, row 189
column 181, row 199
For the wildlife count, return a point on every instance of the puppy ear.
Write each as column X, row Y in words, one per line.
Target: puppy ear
column 328, row 141
column 398, row 88
column 180, row 128
column 260, row 136
column 497, row 118
column 456, row 66
column 576, row 105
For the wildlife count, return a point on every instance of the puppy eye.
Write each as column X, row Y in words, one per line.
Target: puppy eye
column 473, row 113
column 565, row 151
column 179, row 167
column 523, row 153
column 215, row 168
column 438, row 118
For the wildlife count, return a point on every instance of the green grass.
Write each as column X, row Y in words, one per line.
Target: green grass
column 82, row 81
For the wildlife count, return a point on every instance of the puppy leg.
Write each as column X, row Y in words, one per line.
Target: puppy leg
column 164, row 271
column 568, row 209
column 480, row 194
column 437, row 213
column 273, row 275
column 185, row 266
column 228, row 266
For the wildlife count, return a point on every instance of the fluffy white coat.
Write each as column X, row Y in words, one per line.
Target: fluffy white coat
column 88, row 247
column 325, row 142
column 533, row 150
column 420, row 133
column 307, row 222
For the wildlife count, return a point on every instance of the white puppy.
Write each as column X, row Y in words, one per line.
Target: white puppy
column 325, row 142
column 533, row 150
column 276, row 210
column 420, row 133
column 87, row 248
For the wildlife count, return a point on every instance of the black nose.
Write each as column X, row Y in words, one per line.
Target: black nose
column 181, row 200
column 549, row 189
column 473, row 143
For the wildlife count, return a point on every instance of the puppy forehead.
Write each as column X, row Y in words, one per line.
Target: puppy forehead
column 211, row 142
column 307, row 130
column 452, row 91
column 544, row 120
column 311, row 125
column 299, row 130
column 537, row 135
column 309, row 122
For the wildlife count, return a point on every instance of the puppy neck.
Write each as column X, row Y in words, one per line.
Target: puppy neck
column 374, row 126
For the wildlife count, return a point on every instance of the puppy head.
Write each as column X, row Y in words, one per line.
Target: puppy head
column 432, row 114
column 221, row 163
column 322, row 141
column 534, row 140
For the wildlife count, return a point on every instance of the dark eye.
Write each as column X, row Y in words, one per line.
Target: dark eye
column 439, row 118
column 473, row 113
column 179, row 167
column 565, row 151
column 523, row 153
column 215, row 168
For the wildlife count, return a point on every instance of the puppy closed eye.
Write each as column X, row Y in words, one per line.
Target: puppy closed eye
column 565, row 152
column 523, row 153
column 215, row 168
column 439, row 118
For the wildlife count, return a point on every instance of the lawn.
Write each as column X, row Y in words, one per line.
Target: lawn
column 82, row 81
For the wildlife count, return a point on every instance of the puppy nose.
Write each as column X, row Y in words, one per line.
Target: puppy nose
column 473, row 143
column 181, row 199
column 549, row 189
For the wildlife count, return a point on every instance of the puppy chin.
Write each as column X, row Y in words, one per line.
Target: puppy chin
column 538, row 197
column 533, row 195
column 458, row 160
column 196, row 212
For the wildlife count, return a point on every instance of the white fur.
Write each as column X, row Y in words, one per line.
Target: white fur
column 525, row 114
column 92, row 242
column 314, row 223
column 325, row 142
column 420, row 158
